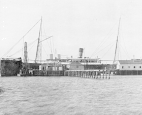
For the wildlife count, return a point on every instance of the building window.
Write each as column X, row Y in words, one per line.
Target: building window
column 140, row 66
column 77, row 66
column 128, row 66
column 134, row 67
column 122, row 67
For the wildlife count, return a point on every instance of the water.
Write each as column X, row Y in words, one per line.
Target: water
column 121, row 95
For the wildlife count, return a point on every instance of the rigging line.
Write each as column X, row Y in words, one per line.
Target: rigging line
column 122, row 48
column 22, row 48
column 103, row 40
column 104, row 47
column 45, row 51
column 109, row 32
column 51, row 46
column 30, row 50
column 120, row 57
column 21, row 39
column 31, row 47
column 125, row 49
column 45, row 39
column 107, row 50
column 44, row 30
column 46, row 36
column 16, row 52
column 48, row 44
column 32, row 42
column 118, row 54
column 121, row 54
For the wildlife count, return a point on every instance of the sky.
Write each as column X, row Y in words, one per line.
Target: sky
column 73, row 24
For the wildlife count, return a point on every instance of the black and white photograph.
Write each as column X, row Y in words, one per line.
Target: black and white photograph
column 70, row 57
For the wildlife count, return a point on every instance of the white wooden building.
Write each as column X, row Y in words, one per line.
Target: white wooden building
column 134, row 64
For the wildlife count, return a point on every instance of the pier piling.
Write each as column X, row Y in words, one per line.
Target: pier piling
column 94, row 74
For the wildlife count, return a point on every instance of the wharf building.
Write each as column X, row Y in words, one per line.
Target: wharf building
column 129, row 67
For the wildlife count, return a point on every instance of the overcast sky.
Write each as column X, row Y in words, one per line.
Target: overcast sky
column 74, row 24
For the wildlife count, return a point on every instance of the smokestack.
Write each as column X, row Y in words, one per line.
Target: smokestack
column 51, row 56
column 59, row 56
column 80, row 52
column 25, row 53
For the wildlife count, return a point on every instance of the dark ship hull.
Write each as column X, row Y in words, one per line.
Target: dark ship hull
column 10, row 67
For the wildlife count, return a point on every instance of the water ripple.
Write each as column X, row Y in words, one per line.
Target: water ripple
column 1, row 90
column 70, row 96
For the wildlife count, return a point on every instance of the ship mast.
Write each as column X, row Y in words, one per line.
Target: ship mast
column 116, row 42
column 38, row 51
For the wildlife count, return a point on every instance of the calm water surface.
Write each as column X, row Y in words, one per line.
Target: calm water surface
column 121, row 95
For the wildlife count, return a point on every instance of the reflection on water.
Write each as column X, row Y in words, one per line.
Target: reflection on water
column 1, row 90
column 121, row 95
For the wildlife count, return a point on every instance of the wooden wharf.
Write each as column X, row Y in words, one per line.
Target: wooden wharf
column 94, row 74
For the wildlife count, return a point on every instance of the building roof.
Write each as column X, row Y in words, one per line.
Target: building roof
column 11, row 59
column 133, row 61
